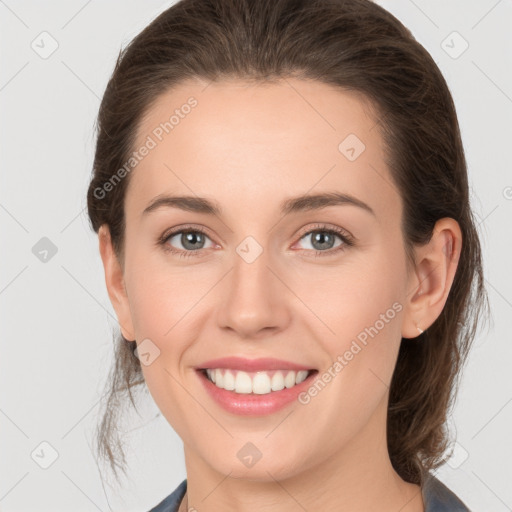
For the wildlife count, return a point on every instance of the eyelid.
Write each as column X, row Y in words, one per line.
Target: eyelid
column 320, row 226
column 347, row 238
column 176, row 230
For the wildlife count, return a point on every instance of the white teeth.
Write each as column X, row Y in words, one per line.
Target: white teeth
column 289, row 380
column 243, row 383
column 229, row 381
column 301, row 376
column 261, row 383
column 277, row 381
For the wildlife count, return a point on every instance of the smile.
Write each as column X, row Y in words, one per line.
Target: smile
column 255, row 393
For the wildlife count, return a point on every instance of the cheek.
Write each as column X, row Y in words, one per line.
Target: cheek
column 161, row 294
column 178, row 406
column 362, row 308
column 352, row 297
column 364, row 313
column 161, row 308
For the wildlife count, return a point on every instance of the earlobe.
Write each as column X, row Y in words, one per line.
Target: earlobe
column 433, row 277
column 114, row 280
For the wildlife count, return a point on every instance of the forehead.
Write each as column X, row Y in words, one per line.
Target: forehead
column 237, row 139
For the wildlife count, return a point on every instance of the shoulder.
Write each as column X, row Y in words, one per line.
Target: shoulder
column 438, row 498
column 172, row 502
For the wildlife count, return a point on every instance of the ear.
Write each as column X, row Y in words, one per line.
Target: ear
column 431, row 281
column 114, row 280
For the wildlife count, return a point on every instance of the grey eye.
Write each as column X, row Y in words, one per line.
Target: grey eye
column 322, row 239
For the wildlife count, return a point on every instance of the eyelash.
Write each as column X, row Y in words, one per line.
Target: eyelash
column 347, row 240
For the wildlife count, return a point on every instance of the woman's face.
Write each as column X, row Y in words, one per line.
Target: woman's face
column 262, row 281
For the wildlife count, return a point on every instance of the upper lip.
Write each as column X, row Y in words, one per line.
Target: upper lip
column 252, row 365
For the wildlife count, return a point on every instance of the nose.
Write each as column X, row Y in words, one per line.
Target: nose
column 255, row 300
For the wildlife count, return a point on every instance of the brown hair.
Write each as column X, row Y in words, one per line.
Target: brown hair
column 357, row 46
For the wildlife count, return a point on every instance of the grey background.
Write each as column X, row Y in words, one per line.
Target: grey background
column 57, row 321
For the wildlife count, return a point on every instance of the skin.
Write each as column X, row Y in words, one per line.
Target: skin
column 248, row 147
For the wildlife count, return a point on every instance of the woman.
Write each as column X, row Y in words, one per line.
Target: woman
column 281, row 197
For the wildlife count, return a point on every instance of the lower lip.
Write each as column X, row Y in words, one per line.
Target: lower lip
column 251, row 404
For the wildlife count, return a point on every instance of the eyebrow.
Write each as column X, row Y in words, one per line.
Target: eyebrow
column 302, row 203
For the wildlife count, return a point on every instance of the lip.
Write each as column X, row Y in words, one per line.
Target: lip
column 252, row 365
column 252, row 404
